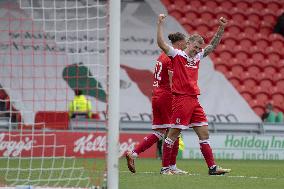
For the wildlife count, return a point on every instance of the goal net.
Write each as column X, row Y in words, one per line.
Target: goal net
column 51, row 49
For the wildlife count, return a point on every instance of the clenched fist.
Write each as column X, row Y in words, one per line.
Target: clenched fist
column 223, row 21
column 161, row 18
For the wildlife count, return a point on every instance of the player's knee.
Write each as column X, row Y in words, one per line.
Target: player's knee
column 174, row 133
column 204, row 136
column 160, row 135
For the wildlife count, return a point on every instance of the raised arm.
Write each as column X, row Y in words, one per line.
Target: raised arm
column 217, row 37
column 160, row 39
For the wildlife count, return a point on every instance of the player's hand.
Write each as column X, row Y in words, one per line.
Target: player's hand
column 161, row 18
column 223, row 21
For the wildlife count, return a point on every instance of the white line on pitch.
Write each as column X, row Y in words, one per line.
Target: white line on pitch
column 196, row 174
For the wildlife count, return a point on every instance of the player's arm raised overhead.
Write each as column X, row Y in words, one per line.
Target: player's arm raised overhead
column 160, row 39
column 217, row 37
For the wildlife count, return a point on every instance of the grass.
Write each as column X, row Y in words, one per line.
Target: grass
column 245, row 174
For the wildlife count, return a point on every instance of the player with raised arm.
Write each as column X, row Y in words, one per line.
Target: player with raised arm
column 187, row 111
column 161, row 107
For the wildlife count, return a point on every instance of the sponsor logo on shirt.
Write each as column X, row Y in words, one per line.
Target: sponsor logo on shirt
column 192, row 64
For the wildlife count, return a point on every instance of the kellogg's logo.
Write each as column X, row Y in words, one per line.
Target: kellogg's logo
column 98, row 143
column 15, row 147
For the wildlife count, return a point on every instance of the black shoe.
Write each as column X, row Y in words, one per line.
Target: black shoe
column 218, row 171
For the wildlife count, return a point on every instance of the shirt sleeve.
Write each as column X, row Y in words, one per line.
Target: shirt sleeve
column 172, row 52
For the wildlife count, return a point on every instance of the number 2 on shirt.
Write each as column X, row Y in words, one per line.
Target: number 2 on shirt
column 158, row 70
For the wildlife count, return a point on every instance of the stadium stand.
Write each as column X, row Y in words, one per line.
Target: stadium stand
column 249, row 49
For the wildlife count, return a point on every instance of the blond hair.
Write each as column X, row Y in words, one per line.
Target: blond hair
column 195, row 37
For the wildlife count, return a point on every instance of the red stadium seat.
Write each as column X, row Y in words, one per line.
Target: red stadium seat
column 280, row 84
column 253, row 103
column 234, row 29
column 230, row 42
column 175, row 11
column 189, row 28
column 276, row 77
column 242, row 5
column 278, row 46
column 275, row 37
column 167, row 3
column 250, row 30
column 207, row 16
column 246, row 42
column 265, row 30
column 254, row 70
column 202, row 29
column 263, row 63
column 224, row 14
column 278, row 98
column 249, row 62
column 191, row 16
column 227, row 5
column 281, row 71
column 196, row 4
column 259, row 36
column 53, row 120
column 254, row 18
column 273, row 6
column 180, row 3
column 258, row 57
column 238, row 71
column 269, row 18
column 222, row 68
column 226, row 55
column 277, row 42
column 262, row 98
column 211, row 4
column 259, row 110
column 250, row 83
column 242, row 55
column 273, row 56
column 270, row 70
column 266, row 84
column 249, row 23
column 262, row 43
column 220, row 48
column 258, row 6
column 247, row 96
column 236, row 83
column 239, row 17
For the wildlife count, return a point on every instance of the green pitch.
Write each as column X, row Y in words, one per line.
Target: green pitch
column 245, row 174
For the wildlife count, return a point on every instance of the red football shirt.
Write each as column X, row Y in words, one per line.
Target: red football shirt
column 185, row 72
column 161, row 82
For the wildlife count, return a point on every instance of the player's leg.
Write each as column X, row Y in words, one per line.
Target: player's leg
column 173, row 159
column 200, row 126
column 159, row 126
column 148, row 141
column 167, row 150
column 166, row 111
column 180, row 118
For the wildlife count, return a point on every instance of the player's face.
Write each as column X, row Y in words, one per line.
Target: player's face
column 194, row 48
column 182, row 44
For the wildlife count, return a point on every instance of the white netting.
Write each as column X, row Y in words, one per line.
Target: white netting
column 48, row 49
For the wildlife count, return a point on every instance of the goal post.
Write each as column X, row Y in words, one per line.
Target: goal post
column 114, row 67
